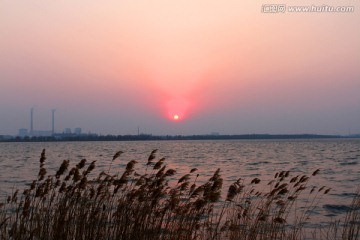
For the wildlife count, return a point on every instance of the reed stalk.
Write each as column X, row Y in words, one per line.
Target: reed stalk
column 145, row 202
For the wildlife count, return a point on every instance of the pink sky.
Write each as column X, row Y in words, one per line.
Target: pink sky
column 222, row 66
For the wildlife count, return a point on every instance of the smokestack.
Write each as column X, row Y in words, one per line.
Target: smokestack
column 31, row 121
column 53, row 121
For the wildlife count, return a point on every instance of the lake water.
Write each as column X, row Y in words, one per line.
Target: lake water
column 338, row 160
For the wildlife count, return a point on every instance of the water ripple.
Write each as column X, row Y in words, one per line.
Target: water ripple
column 337, row 159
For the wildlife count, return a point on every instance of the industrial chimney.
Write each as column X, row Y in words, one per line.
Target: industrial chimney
column 53, row 121
column 31, row 121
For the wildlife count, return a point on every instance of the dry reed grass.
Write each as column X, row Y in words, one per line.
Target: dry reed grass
column 134, row 205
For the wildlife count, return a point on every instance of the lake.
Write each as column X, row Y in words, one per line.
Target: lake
column 337, row 159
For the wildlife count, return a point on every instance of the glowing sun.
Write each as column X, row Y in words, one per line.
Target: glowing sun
column 176, row 117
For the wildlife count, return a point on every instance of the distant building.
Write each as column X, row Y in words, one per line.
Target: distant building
column 23, row 132
column 77, row 131
column 67, row 131
column 41, row 133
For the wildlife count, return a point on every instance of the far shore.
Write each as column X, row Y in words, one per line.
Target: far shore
column 150, row 137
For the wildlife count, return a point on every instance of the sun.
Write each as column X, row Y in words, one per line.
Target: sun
column 176, row 117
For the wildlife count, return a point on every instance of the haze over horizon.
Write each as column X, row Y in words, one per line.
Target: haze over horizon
column 111, row 67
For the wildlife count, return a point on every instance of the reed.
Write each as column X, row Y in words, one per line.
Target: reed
column 153, row 204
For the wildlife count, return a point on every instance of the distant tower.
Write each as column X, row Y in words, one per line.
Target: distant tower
column 53, row 121
column 31, row 121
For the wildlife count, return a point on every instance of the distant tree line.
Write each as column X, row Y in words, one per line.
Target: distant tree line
column 149, row 137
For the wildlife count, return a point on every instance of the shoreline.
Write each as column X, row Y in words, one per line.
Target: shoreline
column 150, row 137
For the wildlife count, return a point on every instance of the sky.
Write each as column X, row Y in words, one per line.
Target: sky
column 116, row 67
